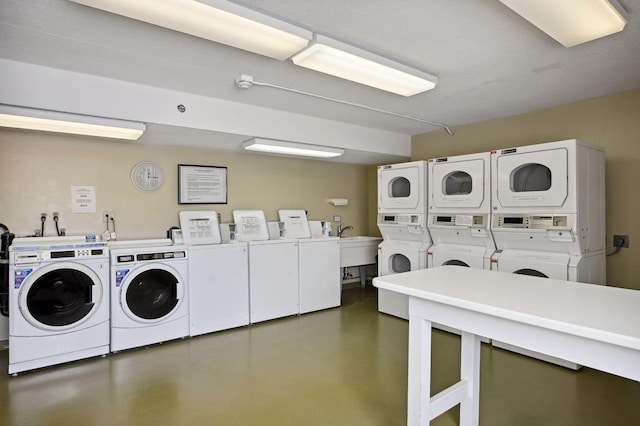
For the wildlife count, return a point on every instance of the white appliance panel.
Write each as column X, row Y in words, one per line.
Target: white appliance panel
column 251, row 225
column 536, row 263
column 319, row 268
column 459, row 255
column 273, row 279
column 200, row 227
column 218, row 287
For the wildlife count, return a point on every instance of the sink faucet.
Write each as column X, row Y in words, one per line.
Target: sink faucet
column 341, row 229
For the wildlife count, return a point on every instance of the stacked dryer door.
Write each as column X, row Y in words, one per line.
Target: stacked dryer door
column 548, row 213
column 459, row 211
column 402, row 220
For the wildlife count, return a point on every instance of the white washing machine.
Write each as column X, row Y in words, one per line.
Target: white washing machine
column 402, row 188
column 218, row 275
column 149, row 295
column 218, row 287
column 273, row 268
column 59, row 301
column 394, row 257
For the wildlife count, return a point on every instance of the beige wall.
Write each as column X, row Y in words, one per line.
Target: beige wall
column 37, row 171
column 612, row 122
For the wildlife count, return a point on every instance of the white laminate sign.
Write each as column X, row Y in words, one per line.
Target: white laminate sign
column 83, row 199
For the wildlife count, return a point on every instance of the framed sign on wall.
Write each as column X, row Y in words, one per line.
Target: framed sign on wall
column 202, row 184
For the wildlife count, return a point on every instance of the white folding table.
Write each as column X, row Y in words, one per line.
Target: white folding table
column 591, row 325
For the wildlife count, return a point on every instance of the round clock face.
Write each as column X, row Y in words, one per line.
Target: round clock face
column 147, row 176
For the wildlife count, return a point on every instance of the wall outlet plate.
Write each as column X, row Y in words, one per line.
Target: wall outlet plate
column 625, row 241
column 337, row 218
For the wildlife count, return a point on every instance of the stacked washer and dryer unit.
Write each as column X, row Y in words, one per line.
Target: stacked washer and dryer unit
column 402, row 220
column 548, row 208
column 460, row 211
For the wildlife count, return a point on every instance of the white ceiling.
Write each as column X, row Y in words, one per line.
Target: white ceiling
column 489, row 61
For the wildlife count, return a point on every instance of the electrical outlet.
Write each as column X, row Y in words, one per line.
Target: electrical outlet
column 621, row 241
column 107, row 215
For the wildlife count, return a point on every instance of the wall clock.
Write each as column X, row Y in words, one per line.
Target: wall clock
column 147, row 176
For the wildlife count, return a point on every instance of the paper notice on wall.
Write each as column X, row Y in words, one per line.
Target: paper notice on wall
column 83, row 199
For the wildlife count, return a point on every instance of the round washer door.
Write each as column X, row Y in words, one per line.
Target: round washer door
column 530, row 272
column 151, row 293
column 60, row 296
column 456, row 262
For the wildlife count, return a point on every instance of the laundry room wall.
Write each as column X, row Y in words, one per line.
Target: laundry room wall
column 610, row 122
column 37, row 171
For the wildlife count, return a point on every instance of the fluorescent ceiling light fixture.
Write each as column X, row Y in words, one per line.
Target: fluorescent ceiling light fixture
column 571, row 22
column 61, row 122
column 342, row 60
column 272, row 146
column 216, row 20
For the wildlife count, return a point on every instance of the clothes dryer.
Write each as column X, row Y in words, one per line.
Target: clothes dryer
column 402, row 188
column 59, row 301
column 556, row 187
column 149, row 295
column 396, row 257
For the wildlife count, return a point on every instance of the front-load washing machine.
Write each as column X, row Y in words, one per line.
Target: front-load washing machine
column 588, row 268
column 59, row 301
column 396, row 257
column 149, row 295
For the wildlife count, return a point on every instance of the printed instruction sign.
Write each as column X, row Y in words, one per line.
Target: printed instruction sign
column 83, row 199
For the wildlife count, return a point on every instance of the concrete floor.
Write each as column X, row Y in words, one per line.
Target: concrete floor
column 344, row 366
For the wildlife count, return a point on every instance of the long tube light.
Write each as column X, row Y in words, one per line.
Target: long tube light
column 571, row 22
column 75, row 124
column 339, row 59
column 216, row 20
column 273, row 146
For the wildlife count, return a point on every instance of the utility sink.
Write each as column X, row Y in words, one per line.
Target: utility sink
column 358, row 250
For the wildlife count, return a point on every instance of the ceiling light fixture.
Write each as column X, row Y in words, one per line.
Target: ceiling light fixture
column 62, row 122
column 245, row 81
column 342, row 60
column 273, row 146
column 216, row 20
column 572, row 22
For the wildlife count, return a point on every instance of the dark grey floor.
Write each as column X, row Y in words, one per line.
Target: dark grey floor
column 343, row 366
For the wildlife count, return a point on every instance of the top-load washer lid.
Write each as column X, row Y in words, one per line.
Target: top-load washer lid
column 295, row 223
column 200, row 227
column 251, row 225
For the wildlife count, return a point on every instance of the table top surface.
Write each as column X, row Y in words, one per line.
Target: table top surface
column 608, row 314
